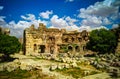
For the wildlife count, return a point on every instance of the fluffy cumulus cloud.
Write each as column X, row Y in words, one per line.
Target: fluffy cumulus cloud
column 58, row 22
column 99, row 9
column 32, row 19
column 46, row 14
column 18, row 28
column 106, row 21
column 71, row 21
column 29, row 19
column 92, row 21
column 101, row 13
column 64, row 22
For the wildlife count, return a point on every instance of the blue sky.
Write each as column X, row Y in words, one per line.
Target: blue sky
column 70, row 14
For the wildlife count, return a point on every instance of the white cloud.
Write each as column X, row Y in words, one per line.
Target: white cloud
column 1, row 7
column 92, row 21
column 16, row 29
column 99, row 28
column 98, row 9
column 69, row 0
column 28, row 17
column 106, row 21
column 58, row 22
column 89, row 28
column 64, row 22
column 99, row 14
column 2, row 21
column 70, row 20
column 46, row 14
column 114, row 25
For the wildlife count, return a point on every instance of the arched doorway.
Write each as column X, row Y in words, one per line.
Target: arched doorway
column 77, row 49
column 70, row 48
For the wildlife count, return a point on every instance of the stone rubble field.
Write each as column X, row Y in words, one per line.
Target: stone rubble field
column 103, row 66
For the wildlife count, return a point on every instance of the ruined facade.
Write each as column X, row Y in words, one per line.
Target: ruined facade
column 52, row 40
column 5, row 31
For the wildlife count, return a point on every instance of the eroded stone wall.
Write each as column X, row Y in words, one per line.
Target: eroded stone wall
column 52, row 40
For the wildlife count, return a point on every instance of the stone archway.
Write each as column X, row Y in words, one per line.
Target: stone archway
column 77, row 49
column 70, row 48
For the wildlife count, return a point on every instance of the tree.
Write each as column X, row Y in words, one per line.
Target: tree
column 102, row 41
column 0, row 30
column 116, row 31
column 9, row 45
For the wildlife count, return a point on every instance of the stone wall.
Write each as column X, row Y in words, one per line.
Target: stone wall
column 53, row 40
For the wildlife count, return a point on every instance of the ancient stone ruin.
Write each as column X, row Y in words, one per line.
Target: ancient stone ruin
column 53, row 40
column 5, row 31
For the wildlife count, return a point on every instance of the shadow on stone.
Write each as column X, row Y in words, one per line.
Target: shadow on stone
column 6, row 58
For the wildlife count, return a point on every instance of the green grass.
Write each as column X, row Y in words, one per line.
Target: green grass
column 24, row 74
column 75, row 72
column 17, row 74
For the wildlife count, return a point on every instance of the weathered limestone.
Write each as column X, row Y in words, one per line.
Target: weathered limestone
column 21, row 64
column 54, row 41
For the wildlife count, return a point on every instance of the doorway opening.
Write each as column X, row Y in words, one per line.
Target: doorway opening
column 70, row 48
column 77, row 49
column 42, row 48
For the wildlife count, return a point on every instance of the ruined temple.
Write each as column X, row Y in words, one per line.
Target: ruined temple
column 53, row 40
